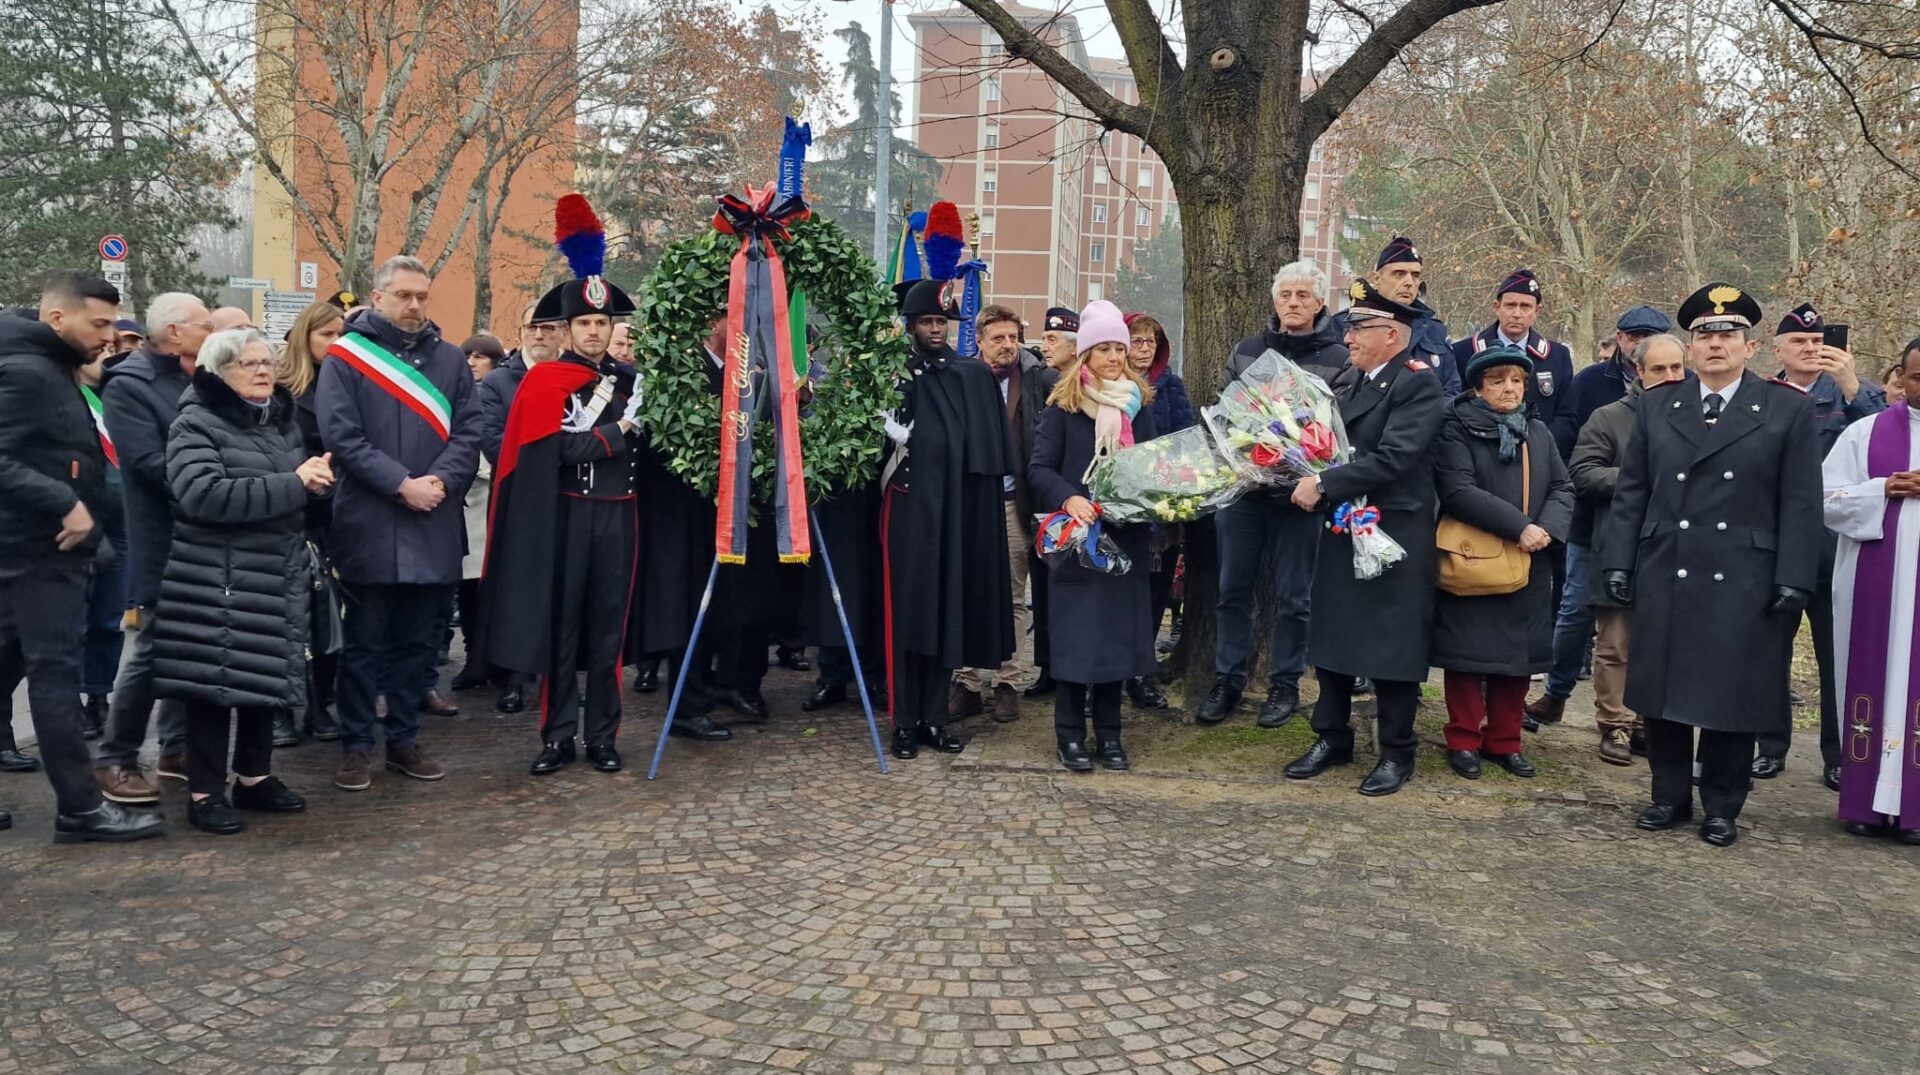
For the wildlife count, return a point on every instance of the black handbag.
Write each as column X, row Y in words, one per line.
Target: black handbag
column 325, row 609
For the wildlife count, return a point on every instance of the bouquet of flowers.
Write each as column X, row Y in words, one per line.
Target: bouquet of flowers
column 1060, row 538
column 1277, row 423
column 1172, row 479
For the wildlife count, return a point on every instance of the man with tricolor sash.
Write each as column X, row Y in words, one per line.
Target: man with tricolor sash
column 561, row 531
column 396, row 408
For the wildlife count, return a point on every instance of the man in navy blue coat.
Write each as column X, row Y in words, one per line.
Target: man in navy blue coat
column 1400, row 274
column 1516, row 304
column 397, row 410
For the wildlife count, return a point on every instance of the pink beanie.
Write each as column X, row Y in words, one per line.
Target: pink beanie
column 1101, row 322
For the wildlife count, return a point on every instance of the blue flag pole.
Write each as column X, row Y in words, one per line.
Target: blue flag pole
column 686, row 668
column 846, row 632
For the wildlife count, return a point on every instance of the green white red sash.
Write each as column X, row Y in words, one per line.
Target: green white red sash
column 397, row 377
column 100, row 425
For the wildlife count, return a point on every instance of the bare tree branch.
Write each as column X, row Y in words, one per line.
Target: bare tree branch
column 1022, row 42
column 1359, row 70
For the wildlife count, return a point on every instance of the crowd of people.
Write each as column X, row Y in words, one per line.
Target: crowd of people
column 291, row 530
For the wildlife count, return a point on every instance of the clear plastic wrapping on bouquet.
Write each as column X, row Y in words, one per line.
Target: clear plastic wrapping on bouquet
column 1060, row 538
column 1277, row 423
column 1373, row 550
column 1168, row 480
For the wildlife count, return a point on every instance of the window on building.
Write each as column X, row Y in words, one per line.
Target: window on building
column 993, row 89
column 1309, row 228
column 1096, row 291
column 1313, row 188
column 1146, row 177
column 1099, row 214
column 994, row 46
column 993, row 137
column 1099, row 175
column 986, row 224
column 1142, row 217
column 1315, row 154
column 1097, row 253
column 989, row 181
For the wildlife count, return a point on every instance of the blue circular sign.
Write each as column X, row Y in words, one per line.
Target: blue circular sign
column 113, row 248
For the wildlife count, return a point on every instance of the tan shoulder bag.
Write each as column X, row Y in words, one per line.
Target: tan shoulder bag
column 1474, row 563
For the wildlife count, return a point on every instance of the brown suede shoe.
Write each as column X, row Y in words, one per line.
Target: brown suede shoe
column 171, row 767
column 125, row 784
column 1006, row 705
column 355, row 772
column 1616, row 747
column 408, row 759
column 436, row 704
column 962, row 702
column 1547, row 709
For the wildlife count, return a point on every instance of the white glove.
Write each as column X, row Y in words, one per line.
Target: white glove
column 896, row 432
column 631, row 415
column 575, row 420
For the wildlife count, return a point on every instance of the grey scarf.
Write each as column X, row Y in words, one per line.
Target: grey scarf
column 1512, row 427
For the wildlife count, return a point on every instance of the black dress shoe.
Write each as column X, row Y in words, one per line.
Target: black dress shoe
column 268, row 796
column 1319, row 757
column 604, row 758
column 1766, row 767
column 748, row 704
column 107, row 823
column 794, row 657
column 1075, row 757
column 1389, row 776
column 1283, row 701
column 1220, row 702
column 1465, row 762
column 824, row 696
column 1661, row 816
column 942, row 741
column 13, row 761
column 905, row 743
column 1144, row 691
column 215, row 815
column 93, row 717
column 1908, row 836
column 510, row 700
column 1861, row 828
column 1830, row 776
column 1114, row 756
column 1041, row 687
column 699, row 726
column 647, row 680
column 285, row 733
column 6, row 820
column 553, row 758
column 1515, row 763
column 1719, row 831
column 1529, row 722
column 877, row 694
column 322, row 725
column 1362, row 685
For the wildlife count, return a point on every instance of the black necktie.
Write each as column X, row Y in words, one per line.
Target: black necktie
column 1714, row 403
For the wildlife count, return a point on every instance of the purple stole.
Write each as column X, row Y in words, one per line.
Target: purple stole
column 1867, row 710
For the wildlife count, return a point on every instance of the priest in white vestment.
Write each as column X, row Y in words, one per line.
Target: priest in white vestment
column 1872, row 481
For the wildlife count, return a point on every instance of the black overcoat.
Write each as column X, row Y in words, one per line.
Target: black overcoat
column 1709, row 520
column 849, row 530
column 231, row 626
column 1499, row 634
column 1100, row 626
column 1379, row 628
column 949, row 587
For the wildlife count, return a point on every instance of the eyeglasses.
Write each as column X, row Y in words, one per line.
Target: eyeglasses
column 254, row 365
column 1364, row 326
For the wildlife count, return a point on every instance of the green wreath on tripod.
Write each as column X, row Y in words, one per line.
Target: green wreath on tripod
column 842, row 435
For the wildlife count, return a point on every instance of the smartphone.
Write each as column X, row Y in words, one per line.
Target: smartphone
column 1834, row 336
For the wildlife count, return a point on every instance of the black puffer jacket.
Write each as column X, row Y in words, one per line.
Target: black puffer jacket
column 232, row 622
column 50, row 453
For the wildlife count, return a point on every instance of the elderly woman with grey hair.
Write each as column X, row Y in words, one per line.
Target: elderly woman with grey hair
column 232, row 633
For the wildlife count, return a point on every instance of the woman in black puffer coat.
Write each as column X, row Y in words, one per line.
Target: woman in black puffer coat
column 236, row 585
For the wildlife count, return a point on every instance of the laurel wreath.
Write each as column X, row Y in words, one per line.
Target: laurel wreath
column 842, row 435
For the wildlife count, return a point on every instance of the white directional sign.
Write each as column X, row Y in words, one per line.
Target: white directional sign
column 282, row 308
column 250, row 283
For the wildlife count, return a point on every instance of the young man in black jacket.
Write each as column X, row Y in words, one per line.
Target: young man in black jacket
column 54, row 499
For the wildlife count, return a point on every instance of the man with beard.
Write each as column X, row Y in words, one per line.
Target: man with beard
column 1266, row 526
column 562, row 546
column 1714, row 541
column 948, row 588
column 54, row 500
column 1378, row 628
column 1400, row 275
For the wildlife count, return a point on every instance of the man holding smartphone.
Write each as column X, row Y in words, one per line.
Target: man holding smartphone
column 1814, row 358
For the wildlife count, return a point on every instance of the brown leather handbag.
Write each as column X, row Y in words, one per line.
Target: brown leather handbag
column 1475, row 563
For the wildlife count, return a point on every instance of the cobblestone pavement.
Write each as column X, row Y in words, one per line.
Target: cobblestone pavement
column 775, row 904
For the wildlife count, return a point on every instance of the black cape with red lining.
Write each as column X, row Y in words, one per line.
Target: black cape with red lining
column 516, row 584
column 946, row 537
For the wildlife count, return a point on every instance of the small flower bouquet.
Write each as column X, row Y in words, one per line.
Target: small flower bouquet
column 1060, row 539
column 1172, row 479
column 1277, row 423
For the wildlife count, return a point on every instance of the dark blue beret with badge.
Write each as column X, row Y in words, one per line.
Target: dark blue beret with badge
column 1399, row 248
column 1521, row 282
column 1061, row 319
column 1802, row 318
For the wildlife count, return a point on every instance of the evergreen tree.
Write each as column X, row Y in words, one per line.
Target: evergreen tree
column 1153, row 280
column 840, row 180
column 98, row 135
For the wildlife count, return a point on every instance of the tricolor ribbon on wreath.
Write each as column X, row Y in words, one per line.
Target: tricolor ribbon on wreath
column 759, row 375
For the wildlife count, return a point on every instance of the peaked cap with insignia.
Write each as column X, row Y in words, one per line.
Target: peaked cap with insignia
column 579, row 235
column 1719, row 307
column 1369, row 303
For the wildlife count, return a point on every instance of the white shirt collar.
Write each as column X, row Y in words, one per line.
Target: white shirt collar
column 1725, row 394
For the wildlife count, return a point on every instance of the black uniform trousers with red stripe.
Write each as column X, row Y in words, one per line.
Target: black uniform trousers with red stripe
column 593, row 581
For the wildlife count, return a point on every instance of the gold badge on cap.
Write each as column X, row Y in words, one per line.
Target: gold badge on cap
column 1357, row 292
column 1722, row 295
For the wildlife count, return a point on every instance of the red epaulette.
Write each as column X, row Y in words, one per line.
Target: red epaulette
column 1789, row 384
column 1416, row 364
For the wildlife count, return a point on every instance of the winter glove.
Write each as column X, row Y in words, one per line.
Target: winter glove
column 1619, row 586
column 1789, row 600
column 631, row 415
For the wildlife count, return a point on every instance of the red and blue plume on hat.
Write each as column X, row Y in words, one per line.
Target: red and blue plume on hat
column 945, row 240
column 580, row 236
